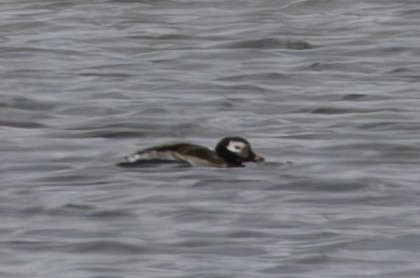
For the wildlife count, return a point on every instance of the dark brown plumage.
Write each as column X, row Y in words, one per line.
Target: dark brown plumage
column 229, row 152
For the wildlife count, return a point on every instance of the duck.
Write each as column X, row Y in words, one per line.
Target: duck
column 229, row 152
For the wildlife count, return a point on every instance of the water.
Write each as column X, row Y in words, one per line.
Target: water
column 326, row 90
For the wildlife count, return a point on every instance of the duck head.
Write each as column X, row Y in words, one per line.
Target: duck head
column 236, row 150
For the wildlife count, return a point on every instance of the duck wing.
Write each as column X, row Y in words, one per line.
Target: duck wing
column 194, row 155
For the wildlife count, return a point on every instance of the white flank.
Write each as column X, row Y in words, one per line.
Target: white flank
column 150, row 155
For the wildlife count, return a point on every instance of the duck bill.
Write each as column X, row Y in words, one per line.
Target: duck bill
column 258, row 158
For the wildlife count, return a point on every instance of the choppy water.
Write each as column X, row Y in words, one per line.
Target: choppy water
column 331, row 86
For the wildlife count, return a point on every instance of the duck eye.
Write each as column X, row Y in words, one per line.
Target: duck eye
column 237, row 147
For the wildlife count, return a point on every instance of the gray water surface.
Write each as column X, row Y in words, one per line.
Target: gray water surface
column 326, row 90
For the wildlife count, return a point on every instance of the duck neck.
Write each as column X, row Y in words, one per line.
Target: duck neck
column 230, row 158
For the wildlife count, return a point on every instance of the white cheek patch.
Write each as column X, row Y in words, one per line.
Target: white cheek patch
column 236, row 146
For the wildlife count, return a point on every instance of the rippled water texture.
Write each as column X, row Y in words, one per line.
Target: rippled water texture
column 326, row 90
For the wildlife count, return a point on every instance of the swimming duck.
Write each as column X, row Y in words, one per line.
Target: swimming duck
column 229, row 152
